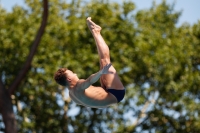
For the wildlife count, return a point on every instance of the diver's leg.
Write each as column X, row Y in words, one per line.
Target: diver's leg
column 110, row 81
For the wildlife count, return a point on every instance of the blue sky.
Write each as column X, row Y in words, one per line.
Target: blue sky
column 190, row 8
column 190, row 14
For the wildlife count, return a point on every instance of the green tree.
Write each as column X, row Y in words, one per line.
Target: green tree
column 13, row 76
column 157, row 61
column 165, row 74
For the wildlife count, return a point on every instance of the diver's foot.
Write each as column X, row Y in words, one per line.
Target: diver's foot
column 92, row 26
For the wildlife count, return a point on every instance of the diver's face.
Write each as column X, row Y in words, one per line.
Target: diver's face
column 70, row 74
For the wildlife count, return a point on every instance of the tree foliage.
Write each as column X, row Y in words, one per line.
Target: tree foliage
column 157, row 61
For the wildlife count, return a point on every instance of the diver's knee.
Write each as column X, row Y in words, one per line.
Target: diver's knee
column 105, row 61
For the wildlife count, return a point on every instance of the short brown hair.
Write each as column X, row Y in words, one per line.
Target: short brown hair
column 60, row 77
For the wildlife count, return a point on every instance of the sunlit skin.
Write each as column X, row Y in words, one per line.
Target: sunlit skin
column 82, row 91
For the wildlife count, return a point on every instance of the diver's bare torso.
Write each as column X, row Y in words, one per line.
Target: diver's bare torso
column 93, row 96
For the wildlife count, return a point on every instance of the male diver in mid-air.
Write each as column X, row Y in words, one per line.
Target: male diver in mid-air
column 82, row 91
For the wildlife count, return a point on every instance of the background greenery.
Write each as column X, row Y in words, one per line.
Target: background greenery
column 158, row 62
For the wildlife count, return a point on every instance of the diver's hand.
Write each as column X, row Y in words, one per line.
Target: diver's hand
column 105, row 69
